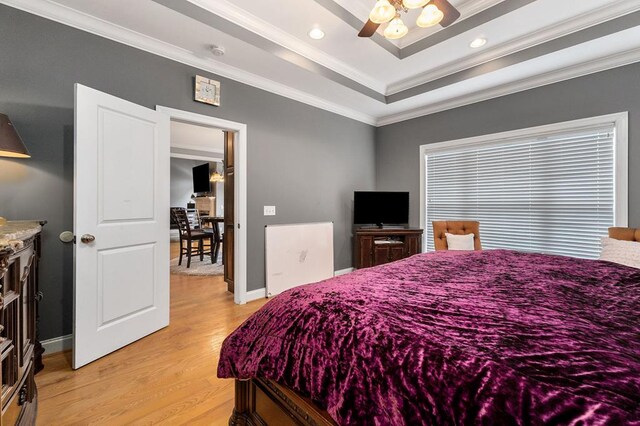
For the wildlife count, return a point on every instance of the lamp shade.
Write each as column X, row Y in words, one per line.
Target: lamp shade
column 10, row 143
column 414, row 4
column 396, row 29
column 382, row 12
column 430, row 16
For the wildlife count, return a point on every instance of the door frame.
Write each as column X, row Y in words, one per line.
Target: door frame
column 240, row 189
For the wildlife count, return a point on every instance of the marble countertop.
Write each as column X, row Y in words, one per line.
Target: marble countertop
column 14, row 232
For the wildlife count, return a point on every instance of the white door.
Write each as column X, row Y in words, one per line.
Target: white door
column 121, row 222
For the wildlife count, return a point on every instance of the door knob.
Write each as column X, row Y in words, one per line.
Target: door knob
column 87, row 238
column 67, row 237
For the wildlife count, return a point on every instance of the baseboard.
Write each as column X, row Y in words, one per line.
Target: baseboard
column 260, row 293
column 342, row 271
column 57, row 344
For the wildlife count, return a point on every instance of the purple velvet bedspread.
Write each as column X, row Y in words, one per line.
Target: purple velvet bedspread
column 491, row 337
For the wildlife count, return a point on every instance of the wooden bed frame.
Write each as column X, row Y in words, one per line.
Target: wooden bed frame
column 260, row 402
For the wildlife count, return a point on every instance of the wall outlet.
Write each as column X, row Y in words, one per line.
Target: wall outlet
column 269, row 210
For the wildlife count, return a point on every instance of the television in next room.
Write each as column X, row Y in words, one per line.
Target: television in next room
column 380, row 208
column 201, row 179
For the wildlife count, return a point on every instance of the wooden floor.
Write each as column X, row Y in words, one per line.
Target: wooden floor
column 166, row 378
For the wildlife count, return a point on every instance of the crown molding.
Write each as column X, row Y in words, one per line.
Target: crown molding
column 552, row 32
column 198, row 157
column 567, row 73
column 264, row 29
column 85, row 22
column 198, row 148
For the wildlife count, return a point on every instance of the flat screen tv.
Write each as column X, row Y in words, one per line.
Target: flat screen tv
column 380, row 208
column 201, row 176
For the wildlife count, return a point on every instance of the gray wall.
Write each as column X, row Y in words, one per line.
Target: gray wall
column 182, row 180
column 617, row 90
column 303, row 160
column 218, row 189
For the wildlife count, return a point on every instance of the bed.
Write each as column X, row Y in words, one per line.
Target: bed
column 487, row 337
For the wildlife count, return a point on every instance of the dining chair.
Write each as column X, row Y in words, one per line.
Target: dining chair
column 217, row 241
column 188, row 236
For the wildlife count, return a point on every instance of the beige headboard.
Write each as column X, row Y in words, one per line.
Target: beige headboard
column 626, row 234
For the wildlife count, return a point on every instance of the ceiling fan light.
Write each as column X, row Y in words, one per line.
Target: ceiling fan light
column 396, row 29
column 414, row 4
column 382, row 12
column 430, row 16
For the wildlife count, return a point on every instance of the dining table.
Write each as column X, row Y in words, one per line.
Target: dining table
column 214, row 221
column 211, row 219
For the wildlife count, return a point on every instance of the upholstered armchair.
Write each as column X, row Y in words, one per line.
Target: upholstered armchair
column 456, row 227
column 626, row 234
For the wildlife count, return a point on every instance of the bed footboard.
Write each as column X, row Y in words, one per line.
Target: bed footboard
column 261, row 402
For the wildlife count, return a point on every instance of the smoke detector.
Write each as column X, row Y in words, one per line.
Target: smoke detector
column 217, row 50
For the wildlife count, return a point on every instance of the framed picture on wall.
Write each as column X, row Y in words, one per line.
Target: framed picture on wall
column 207, row 91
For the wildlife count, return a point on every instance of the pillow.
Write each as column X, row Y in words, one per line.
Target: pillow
column 623, row 252
column 459, row 242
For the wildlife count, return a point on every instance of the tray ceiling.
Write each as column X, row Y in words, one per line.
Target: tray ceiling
column 529, row 43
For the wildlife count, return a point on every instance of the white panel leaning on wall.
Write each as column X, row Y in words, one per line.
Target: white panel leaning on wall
column 297, row 254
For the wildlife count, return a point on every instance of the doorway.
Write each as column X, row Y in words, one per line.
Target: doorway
column 197, row 197
column 235, row 206
column 121, row 210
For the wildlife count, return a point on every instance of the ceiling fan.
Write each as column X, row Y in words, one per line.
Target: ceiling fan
column 434, row 12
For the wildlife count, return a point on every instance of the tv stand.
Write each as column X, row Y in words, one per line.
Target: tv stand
column 381, row 226
column 376, row 246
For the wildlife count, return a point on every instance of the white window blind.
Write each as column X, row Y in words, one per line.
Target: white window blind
column 552, row 194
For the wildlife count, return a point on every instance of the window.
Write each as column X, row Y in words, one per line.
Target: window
column 552, row 189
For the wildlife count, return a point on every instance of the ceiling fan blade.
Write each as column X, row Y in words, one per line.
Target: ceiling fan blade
column 369, row 29
column 451, row 14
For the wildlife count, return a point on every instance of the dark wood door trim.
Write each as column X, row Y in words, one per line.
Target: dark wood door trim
column 229, row 209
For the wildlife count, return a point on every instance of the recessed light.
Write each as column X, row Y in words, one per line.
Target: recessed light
column 479, row 42
column 316, row 33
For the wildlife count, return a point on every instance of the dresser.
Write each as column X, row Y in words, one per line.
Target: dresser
column 375, row 246
column 20, row 351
